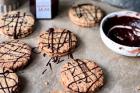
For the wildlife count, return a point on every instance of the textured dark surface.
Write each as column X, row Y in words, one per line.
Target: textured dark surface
column 129, row 4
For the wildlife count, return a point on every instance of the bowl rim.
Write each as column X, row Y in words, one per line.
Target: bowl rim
column 114, row 14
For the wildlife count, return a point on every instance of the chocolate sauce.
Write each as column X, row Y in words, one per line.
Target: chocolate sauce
column 44, row 9
column 124, row 30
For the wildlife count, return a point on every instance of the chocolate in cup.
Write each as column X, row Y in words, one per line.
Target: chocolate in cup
column 120, row 32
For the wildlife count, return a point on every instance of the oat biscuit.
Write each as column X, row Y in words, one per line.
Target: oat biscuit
column 9, row 82
column 85, row 15
column 81, row 76
column 14, row 54
column 16, row 24
column 57, row 42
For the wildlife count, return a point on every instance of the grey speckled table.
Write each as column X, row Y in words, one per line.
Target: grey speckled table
column 122, row 73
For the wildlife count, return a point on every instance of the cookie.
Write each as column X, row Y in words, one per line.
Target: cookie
column 81, row 76
column 85, row 15
column 16, row 24
column 9, row 81
column 57, row 42
column 14, row 54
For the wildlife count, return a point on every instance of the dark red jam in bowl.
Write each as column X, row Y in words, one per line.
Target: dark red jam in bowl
column 124, row 30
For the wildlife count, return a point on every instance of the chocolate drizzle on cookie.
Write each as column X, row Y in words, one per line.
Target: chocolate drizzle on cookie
column 4, row 85
column 14, row 22
column 85, row 70
column 56, row 41
column 64, row 37
column 15, row 51
column 89, row 14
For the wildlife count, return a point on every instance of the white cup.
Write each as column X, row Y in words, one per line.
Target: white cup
column 116, row 47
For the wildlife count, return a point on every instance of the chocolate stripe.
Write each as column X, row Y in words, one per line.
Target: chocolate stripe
column 5, row 75
column 15, row 54
column 84, row 71
column 18, row 20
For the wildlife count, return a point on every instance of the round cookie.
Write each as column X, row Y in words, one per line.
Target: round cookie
column 16, row 24
column 9, row 81
column 14, row 54
column 85, row 15
column 57, row 42
column 81, row 76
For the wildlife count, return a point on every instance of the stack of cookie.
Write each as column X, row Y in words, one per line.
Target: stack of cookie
column 14, row 55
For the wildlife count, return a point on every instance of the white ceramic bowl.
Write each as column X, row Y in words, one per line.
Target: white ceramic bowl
column 116, row 47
